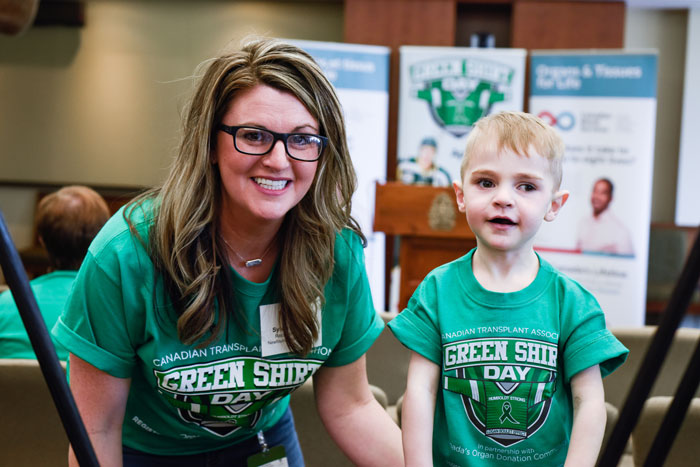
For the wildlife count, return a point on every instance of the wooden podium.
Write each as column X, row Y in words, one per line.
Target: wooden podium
column 432, row 230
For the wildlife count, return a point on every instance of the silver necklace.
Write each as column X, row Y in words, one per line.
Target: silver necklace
column 250, row 262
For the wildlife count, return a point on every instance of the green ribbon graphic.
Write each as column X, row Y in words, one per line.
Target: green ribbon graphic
column 506, row 415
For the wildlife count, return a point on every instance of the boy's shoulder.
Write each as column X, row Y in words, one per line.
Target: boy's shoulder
column 456, row 266
column 562, row 282
column 447, row 276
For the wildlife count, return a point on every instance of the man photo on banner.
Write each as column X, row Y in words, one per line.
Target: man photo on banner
column 602, row 231
column 423, row 170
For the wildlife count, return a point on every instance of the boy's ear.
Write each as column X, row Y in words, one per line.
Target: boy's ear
column 558, row 200
column 460, row 195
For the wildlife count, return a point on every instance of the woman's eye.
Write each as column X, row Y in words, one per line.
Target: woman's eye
column 300, row 140
column 253, row 136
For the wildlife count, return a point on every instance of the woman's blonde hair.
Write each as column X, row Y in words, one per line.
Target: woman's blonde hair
column 517, row 132
column 185, row 242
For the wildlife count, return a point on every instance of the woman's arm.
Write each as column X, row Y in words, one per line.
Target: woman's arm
column 357, row 423
column 419, row 410
column 101, row 401
column 589, row 418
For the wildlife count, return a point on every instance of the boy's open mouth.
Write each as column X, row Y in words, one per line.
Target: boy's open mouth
column 502, row 220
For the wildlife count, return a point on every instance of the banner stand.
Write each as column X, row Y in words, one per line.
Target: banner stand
column 649, row 369
column 54, row 375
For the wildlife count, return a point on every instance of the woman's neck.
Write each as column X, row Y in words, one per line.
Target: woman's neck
column 252, row 249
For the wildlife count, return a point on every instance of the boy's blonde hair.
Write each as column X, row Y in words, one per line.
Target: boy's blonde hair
column 518, row 132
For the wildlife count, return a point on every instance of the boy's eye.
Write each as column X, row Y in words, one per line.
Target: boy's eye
column 528, row 187
column 485, row 183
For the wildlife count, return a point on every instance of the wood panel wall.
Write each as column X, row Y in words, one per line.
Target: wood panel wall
column 394, row 23
column 567, row 25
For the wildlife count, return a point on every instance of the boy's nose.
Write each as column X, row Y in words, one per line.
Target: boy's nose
column 503, row 197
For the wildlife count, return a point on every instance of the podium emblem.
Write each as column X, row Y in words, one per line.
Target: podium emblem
column 443, row 213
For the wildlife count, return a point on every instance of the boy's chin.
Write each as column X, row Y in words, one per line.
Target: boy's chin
column 505, row 247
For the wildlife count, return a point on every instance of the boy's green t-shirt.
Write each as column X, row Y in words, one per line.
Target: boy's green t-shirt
column 184, row 399
column 506, row 362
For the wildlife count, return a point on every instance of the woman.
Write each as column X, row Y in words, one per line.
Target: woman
column 204, row 303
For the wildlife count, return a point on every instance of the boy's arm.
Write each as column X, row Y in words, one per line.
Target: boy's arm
column 418, row 411
column 589, row 418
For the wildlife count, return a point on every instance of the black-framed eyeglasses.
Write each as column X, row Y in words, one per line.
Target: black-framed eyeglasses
column 254, row 141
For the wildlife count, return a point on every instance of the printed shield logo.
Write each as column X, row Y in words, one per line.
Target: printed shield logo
column 459, row 91
column 222, row 396
column 506, row 385
column 506, row 412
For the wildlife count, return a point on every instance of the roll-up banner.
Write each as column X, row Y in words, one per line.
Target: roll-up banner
column 443, row 92
column 360, row 75
column 603, row 104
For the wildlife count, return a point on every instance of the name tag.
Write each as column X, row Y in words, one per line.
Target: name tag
column 271, row 334
column 273, row 457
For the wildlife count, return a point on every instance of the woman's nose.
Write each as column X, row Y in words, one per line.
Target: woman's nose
column 277, row 157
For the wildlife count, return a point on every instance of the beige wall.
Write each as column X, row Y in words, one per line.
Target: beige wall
column 100, row 104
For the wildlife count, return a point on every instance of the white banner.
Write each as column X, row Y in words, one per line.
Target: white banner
column 360, row 75
column 443, row 91
column 688, row 191
column 604, row 107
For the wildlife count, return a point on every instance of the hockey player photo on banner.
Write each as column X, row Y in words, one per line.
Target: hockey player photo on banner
column 443, row 92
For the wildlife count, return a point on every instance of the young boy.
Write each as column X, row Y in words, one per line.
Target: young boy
column 508, row 353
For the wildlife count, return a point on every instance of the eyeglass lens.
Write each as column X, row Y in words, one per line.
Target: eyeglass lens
column 299, row 145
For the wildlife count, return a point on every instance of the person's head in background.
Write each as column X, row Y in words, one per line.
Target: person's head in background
column 601, row 196
column 66, row 221
column 426, row 153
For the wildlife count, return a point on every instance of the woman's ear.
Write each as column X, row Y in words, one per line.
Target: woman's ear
column 558, row 200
